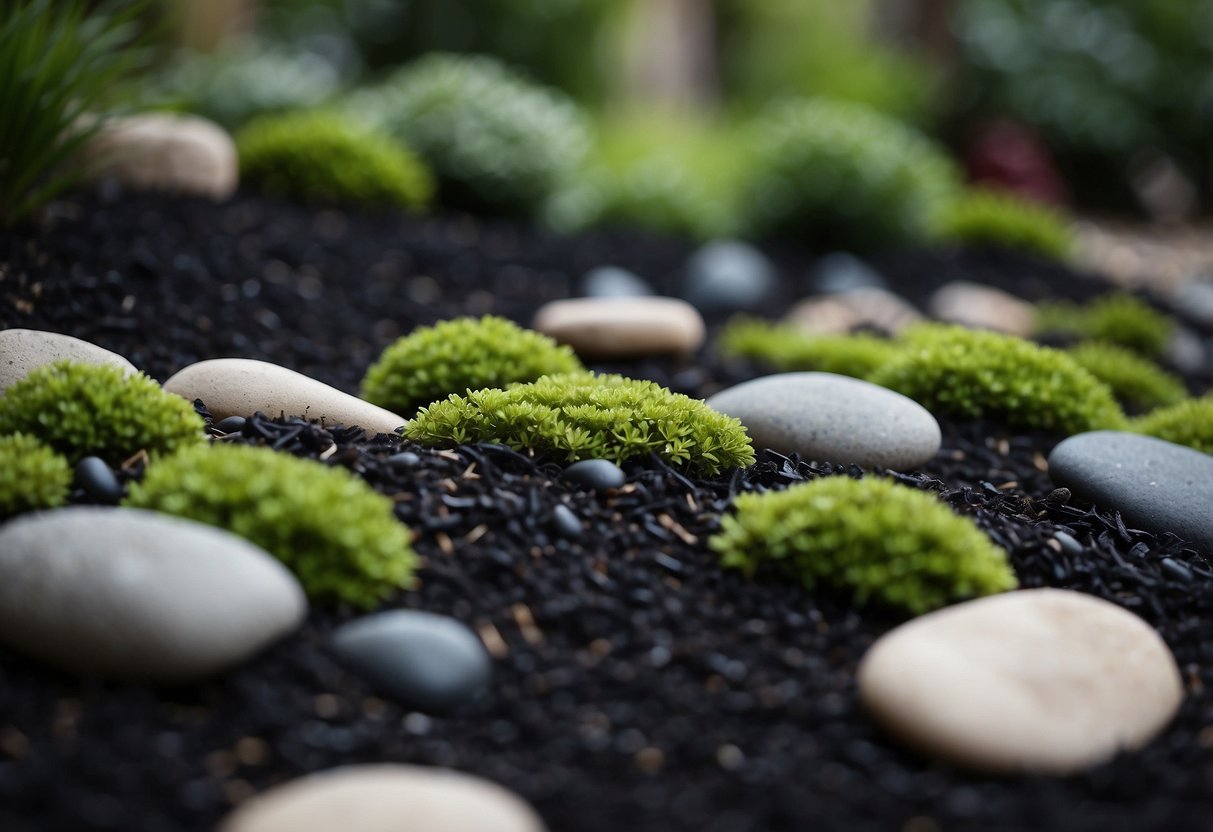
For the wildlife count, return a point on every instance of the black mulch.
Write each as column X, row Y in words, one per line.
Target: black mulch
column 638, row 685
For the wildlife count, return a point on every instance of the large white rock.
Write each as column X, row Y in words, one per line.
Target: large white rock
column 1039, row 681
column 622, row 327
column 132, row 594
column 832, row 418
column 379, row 798
column 166, row 152
column 24, row 350
column 242, row 386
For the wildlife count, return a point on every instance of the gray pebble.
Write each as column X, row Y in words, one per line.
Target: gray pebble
column 839, row 271
column 613, row 282
column 98, row 481
column 595, row 474
column 566, row 522
column 729, row 275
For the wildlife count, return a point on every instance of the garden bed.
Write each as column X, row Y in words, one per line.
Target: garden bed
column 637, row 684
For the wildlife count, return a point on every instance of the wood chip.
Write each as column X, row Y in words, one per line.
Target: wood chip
column 493, row 642
column 671, row 524
column 526, row 624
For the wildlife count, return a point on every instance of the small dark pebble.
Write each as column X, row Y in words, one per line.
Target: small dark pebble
column 232, row 424
column 98, row 481
column 1175, row 570
column 1060, row 496
column 596, row 474
column 404, row 459
column 1068, row 544
column 566, row 522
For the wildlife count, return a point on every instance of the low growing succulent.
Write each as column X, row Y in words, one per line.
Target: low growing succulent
column 339, row 537
column 1187, row 423
column 871, row 537
column 1138, row 383
column 32, row 476
column 322, row 157
column 785, row 347
column 584, row 416
column 984, row 216
column 971, row 374
column 1119, row 319
column 89, row 409
column 456, row 356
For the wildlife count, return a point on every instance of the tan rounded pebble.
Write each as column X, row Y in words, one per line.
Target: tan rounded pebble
column 843, row 311
column 622, row 327
column 1037, row 681
column 24, row 350
column 385, row 798
column 166, row 152
column 242, row 386
column 982, row 307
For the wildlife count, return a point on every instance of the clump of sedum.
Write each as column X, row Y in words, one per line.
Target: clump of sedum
column 787, row 348
column 32, row 476
column 1119, row 319
column 984, row 216
column 1187, row 423
column 1136, row 382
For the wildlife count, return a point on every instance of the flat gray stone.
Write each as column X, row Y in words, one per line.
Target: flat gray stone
column 832, row 418
column 131, row 594
column 1155, row 485
column 729, row 275
column 24, row 350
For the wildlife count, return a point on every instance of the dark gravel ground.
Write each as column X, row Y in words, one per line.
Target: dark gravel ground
column 638, row 685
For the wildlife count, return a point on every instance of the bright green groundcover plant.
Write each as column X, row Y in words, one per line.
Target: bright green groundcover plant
column 1137, row 382
column 875, row 539
column 584, row 416
column 32, row 476
column 1119, row 319
column 1187, row 423
column 990, row 217
column 785, row 347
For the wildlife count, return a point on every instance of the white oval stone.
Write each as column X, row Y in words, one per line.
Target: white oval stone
column 832, row 418
column 24, row 350
column 132, row 594
column 166, row 152
column 982, row 307
column 242, row 386
column 378, row 798
column 1037, row 681
column 622, row 327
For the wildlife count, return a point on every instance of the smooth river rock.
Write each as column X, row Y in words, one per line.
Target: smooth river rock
column 132, row 594
column 24, row 350
column 843, row 311
column 1155, row 485
column 623, row 327
column 1040, row 681
column 832, row 418
column 242, row 386
column 978, row 306
column 729, row 275
column 613, row 282
column 385, row 798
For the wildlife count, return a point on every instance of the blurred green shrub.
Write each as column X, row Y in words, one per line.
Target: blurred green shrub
column 1138, row 383
column 992, row 217
column 1120, row 319
column 789, row 348
column 32, row 476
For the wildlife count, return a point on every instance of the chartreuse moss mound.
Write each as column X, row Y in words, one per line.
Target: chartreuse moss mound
column 1137, row 383
column 93, row 410
column 32, row 476
column 1119, row 319
column 871, row 537
column 323, row 157
column 1187, row 423
column 984, row 216
column 464, row 354
column 584, row 416
column 785, row 347
column 339, row 537
column 970, row 374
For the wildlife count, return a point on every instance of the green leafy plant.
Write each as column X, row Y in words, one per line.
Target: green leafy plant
column 90, row 409
column 872, row 537
column 786, row 347
column 984, row 216
column 339, row 537
column 495, row 140
column 1188, row 423
column 60, row 67
column 32, row 476
column 460, row 355
column 1137, row 383
column 971, row 374
column 843, row 176
column 322, row 157
column 1119, row 319
column 584, row 416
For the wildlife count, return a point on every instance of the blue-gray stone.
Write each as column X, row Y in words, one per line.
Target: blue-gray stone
column 1155, row 485
column 425, row 661
column 595, row 474
column 613, row 282
column 842, row 272
column 98, row 481
column 566, row 522
column 728, row 274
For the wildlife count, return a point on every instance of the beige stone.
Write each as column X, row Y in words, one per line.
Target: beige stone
column 385, row 798
column 844, row 311
column 23, row 350
column 242, row 386
column 982, row 307
column 623, row 327
column 1037, row 681
column 166, row 152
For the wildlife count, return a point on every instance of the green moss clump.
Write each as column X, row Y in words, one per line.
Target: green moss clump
column 841, row 175
column 879, row 540
column 984, row 216
column 88, row 409
column 1188, row 423
column 322, row 157
column 339, row 537
column 583, row 416
column 1119, row 319
column 971, row 374
column 786, row 347
column 464, row 354
column 32, row 476
column 1139, row 384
